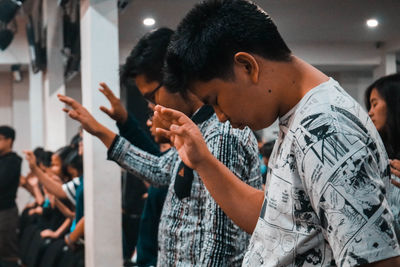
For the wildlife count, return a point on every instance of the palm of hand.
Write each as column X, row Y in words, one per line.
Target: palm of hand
column 191, row 146
column 117, row 110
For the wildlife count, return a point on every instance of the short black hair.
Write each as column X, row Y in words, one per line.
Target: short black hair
column 147, row 57
column 388, row 88
column 206, row 40
column 73, row 160
column 7, row 132
column 42, row 156
column 75, row 140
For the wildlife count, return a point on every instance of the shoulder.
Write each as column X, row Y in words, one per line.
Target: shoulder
column 13, row 157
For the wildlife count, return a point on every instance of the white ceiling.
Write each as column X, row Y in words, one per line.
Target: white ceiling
column 299, row 21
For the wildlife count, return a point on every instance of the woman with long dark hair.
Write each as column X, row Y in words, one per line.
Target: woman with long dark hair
column 382, row 100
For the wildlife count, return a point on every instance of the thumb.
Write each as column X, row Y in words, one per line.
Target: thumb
column 106, row 110
column 73, row 114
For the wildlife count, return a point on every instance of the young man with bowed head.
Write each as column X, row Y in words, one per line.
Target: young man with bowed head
column 325, row 200
column 193, row 229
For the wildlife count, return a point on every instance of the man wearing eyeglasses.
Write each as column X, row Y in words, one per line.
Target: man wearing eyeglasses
column 193, row 230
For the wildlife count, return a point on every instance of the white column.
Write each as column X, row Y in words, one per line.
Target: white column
column 36, row 108
column 387, row 65
column 99, row 49
column 55, row 119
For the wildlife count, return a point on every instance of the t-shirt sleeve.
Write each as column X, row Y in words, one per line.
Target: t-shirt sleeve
column 344, row 180
column 70, row 189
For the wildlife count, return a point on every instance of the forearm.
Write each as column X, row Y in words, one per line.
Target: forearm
column 79, row 231
column 64, row 209
column 63, row 228
column 105, row 135
column 153, row 169
column 38, row 195
column 29, row 188
column 241, row 202
column 137, row 136
column 50, row 184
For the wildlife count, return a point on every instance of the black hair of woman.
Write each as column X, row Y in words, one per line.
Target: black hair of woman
column 388, row 88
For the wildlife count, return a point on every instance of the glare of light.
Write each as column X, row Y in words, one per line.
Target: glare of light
column 149, row 21
column 372, row 23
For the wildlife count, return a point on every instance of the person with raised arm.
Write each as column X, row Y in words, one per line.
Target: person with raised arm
column 193, row 229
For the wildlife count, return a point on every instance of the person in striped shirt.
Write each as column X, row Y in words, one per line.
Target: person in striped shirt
column 193, row 230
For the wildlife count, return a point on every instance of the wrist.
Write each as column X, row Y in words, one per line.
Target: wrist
column 124, row 117
column 105, row 135
column 206, row 161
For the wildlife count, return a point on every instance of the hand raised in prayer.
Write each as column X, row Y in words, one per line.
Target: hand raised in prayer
column 31, row 158
column 117, row 111
column 81, row 114
column 183, row 134
column 89, row 123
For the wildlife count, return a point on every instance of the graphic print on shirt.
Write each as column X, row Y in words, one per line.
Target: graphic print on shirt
column 325, row 191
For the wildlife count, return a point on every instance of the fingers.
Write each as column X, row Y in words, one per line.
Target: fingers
column 28, row 153
column 395, row 171
column 69, row 101
column 395, row 163
column 172, row 115
column 73, row 114
column 106, row 110
column 107, row 91
column 394, row 182
column 395, row 167
column 164, row 133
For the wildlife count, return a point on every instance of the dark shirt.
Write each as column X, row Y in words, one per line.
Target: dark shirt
column 147, row 244
column 10, row 171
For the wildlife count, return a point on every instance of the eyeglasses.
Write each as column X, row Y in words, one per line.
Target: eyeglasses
column 150, row 96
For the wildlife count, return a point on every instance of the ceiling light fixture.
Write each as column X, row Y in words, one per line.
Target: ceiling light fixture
column 149, row 21
column 372, row 23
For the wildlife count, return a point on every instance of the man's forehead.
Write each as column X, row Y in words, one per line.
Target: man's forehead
column 203, row 89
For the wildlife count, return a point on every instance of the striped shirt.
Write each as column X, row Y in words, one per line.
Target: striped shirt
column 194, row 231
column 70, row 189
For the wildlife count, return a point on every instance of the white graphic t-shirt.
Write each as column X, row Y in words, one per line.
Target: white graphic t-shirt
column 325, row 200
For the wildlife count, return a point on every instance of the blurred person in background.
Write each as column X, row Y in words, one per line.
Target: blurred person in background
column 382, row 99
column 10, row 171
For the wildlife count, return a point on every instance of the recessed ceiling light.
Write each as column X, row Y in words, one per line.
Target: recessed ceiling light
column 149, row 21
column 372, row 23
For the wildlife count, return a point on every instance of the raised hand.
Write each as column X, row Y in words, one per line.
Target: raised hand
column 89, row 123
column 184, row 135
column 79, row 113
column 117, row 111
column 31, row 158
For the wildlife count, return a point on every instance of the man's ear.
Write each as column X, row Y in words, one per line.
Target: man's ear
column 249, row 64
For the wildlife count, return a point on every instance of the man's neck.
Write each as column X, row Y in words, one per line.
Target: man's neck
column 294, row 80
column 5, row 152
column 195, row 105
